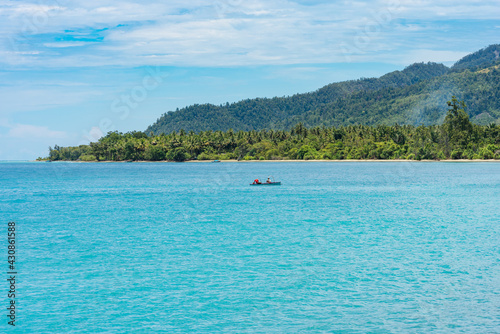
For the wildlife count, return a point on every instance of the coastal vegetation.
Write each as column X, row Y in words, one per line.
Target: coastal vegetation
column 397, row 116
column 456, row 138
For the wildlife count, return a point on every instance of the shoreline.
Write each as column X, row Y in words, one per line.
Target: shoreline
column 291, row 160
column 355, row 160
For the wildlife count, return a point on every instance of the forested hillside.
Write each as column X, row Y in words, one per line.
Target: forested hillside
column 413, row 96
column 456, row 138
column 478, row 60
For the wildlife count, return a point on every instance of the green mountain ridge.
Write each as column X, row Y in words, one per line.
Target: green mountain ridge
column 414, row 96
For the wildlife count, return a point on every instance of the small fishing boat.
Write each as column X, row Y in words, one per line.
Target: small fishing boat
column 270, row 182
column 216, row 161
column 266, row 184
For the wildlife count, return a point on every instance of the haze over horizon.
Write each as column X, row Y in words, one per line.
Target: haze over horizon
column 71, row 71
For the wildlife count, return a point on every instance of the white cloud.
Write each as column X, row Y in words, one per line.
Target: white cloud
column 23, row 97
column 33, row 131
column 64, row 44
column 29, row 9
column 95, row 133
column 224, row 32
column 437, row 56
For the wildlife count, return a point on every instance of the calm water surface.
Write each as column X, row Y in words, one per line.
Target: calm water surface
column 376, row 247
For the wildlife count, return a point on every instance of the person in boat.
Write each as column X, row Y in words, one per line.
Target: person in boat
column 256, row 181
column 269, row 180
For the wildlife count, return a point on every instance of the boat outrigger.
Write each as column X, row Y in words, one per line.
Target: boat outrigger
column 270, row 182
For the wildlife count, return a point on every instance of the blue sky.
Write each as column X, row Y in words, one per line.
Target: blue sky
column 72, row 70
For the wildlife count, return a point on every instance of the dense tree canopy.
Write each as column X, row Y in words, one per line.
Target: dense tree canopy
column 456, row 138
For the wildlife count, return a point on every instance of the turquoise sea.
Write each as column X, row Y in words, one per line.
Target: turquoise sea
column 349, row 247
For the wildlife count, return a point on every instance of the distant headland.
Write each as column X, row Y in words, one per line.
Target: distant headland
column 456, row 138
